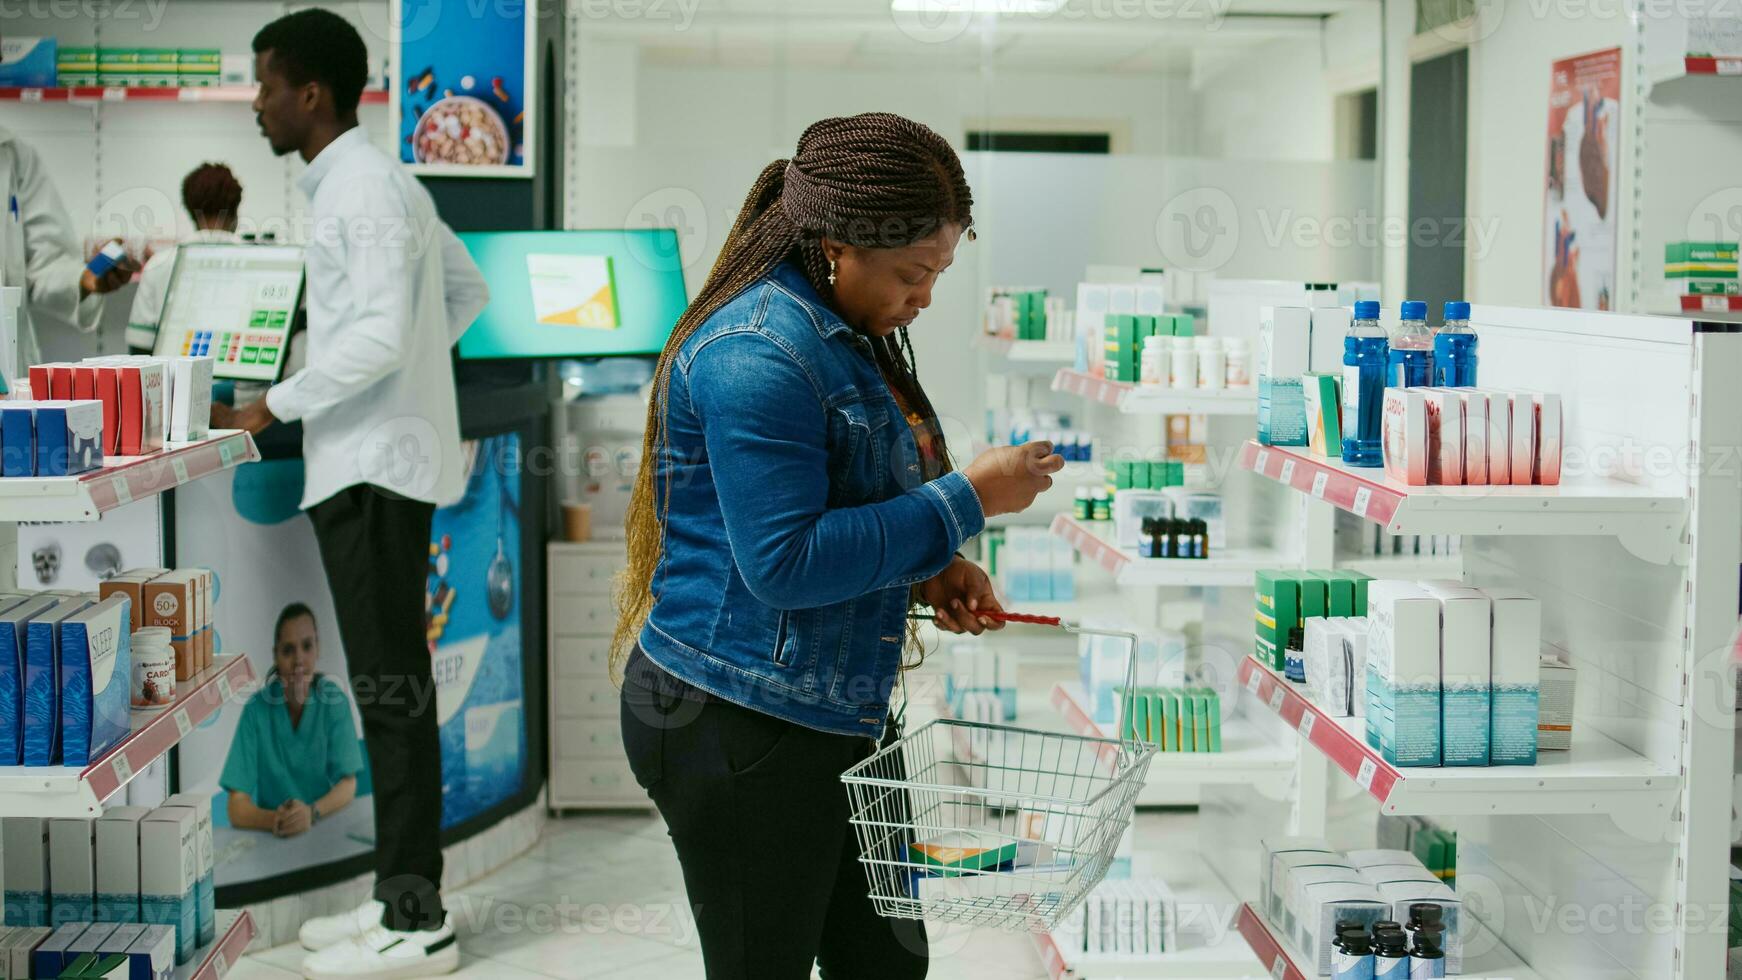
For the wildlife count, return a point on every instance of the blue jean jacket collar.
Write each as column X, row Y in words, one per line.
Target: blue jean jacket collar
column 789, row 278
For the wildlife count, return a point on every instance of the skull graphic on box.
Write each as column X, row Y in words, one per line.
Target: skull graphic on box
column 46, row 560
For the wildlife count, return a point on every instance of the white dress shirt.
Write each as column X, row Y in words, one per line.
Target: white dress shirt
column 38, row 250
column 390, row 291
column 153, row 288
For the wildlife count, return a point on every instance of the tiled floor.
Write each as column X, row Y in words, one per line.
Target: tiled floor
column 601, row 896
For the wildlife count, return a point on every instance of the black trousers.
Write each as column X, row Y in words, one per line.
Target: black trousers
column 758, row 813
column 375, row 546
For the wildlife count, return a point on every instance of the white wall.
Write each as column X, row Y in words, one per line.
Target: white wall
column 685, row 106
column 1509, row 80
column 1273, row 104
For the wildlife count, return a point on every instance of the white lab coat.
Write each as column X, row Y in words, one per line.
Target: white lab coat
column 39, row 251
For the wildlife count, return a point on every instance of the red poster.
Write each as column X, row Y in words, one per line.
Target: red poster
column 1583, row 182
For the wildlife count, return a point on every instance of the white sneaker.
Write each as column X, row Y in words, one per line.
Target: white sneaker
column 385, row 954
column 330, row 930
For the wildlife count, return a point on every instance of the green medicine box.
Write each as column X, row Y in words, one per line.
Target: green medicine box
column 1200, row 721
column 1183, row 325
column 1312, row 599
column 1674, row 252
column 1120, row 336
column 1188, row 722
column 1276, row 599
column 1339, row 594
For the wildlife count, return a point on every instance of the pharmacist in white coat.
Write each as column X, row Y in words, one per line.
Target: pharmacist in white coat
column 390, row 290
column 39, row 252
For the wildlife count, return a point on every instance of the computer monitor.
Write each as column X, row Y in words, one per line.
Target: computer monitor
column 575, row 293
column 235, row 304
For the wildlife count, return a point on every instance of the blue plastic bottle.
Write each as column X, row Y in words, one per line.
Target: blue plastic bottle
column 1412, row 348
column 1455, row 349
column 1365, row 353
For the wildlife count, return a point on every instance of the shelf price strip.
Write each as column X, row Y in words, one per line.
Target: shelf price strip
column 1265, row 947
column 1360, row 497
column 1343, row 749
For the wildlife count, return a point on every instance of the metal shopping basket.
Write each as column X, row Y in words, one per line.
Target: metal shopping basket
column 1013, row 827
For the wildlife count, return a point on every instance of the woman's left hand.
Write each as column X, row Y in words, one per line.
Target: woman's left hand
column 957, row 593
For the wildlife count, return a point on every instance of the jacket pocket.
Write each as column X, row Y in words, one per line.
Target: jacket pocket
column 783, row 646
column 857, row 455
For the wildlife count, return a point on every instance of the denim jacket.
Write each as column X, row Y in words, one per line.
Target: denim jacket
column 797, row 517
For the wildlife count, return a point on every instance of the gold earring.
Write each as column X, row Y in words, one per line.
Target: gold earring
column 831, row 272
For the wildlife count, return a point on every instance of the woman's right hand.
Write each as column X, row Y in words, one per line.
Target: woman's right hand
column 1007, row 478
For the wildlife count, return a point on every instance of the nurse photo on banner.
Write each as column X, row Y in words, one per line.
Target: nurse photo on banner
column 296, row 757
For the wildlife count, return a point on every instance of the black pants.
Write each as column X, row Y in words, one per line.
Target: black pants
column 758, row 813
column 375, row 546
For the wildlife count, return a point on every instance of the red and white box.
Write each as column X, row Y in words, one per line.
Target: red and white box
column 1523, row 437
column 60, row 381
column 1445, row 436
column 141, row 385
column 1499, row 436
column 1475, row 435
column 1548, row 431
column 1403, row 433
column 84, row 382
column 109, row 393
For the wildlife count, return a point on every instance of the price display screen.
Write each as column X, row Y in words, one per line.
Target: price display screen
column 234, row 304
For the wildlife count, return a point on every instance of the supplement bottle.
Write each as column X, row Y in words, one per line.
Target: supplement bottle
column 1427, row 960
column 1412, row 348
column 1455, row 349
column 1352, row 955
column 1390, row 956
column 1365, row 353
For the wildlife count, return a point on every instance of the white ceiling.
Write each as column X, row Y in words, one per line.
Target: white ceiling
column 1126, row 36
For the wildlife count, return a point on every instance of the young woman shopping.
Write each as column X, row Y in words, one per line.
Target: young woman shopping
column 795, row 500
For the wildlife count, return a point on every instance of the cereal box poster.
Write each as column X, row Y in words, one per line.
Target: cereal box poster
column 463, row 87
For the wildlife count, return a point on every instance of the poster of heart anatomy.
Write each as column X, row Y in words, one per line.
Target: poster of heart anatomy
column 1582, row 186
column 573, row 290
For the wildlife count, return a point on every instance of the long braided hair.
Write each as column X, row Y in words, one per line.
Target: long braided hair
column 874, row 180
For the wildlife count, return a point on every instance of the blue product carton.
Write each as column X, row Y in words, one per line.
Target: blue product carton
column 122, row 939
column 12, row 646
column 96, row 680
column 205, row 907
column 1404, row 639
column 72, row 871
column 17, row 440
column 29, row 62
column 24, row 866
column 69, row 437
column 152, row 957
column 42, row 682
column 1514, row 669
column 93, row 936
column 51, row 957
column 168, row 875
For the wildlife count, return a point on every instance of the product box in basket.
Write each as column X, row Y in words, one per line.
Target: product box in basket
column 172, row 601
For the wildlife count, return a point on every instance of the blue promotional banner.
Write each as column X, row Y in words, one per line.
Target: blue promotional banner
column 276, row 607
column 462, row 90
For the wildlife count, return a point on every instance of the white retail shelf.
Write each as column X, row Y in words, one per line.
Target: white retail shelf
column 122, row 480
column 1153, row 400
column 1053, row 352
column 72, row 791
column 1486, row 958
column 1247, row 757
column 1409, row 567
column 235, row 930
column 1597, row 776
column 1229, row 567
column 1585, row 507
column 112, row 94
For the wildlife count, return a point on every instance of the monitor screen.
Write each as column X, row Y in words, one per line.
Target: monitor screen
column 575, row 293
column 233, row 303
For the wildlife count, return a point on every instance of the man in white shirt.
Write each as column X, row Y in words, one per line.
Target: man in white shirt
column 390, row 290
column 212, row 196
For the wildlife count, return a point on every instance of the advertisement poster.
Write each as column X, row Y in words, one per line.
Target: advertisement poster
column 463, row 87
column 79, row 556
column 1582, row 189
column 274, row 606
